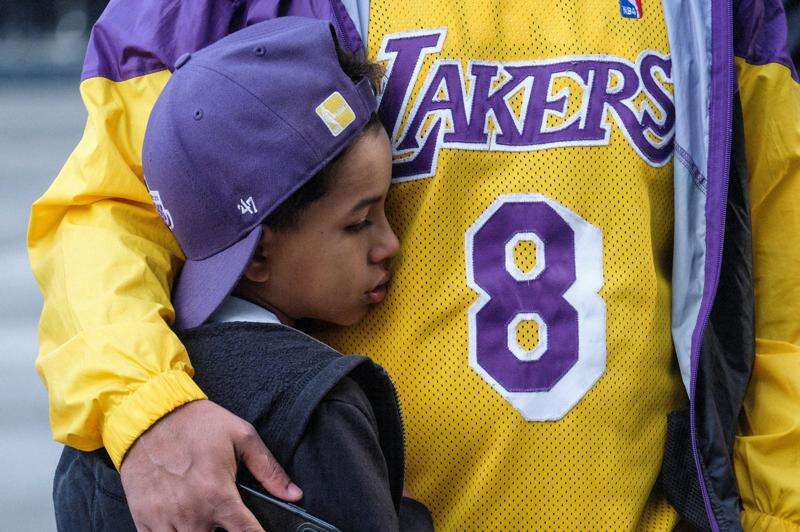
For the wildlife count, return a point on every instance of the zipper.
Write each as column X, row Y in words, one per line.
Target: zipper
column 399, row 409
column 398, row 418
column 723, row 170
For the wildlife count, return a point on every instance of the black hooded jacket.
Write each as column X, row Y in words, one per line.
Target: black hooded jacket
column 332, row 421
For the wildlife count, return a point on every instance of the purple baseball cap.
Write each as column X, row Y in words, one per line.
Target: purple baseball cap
column 239, row 127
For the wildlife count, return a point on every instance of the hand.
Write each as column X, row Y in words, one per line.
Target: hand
column 180, row 474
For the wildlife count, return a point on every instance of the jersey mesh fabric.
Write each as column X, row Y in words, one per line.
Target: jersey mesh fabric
column 471, row 457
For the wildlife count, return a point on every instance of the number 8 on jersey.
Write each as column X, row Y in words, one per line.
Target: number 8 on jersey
column 559, row 294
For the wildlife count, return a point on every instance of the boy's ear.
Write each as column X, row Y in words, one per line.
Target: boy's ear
column 257, row 270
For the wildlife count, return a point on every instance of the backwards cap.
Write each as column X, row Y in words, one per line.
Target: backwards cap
column 240, row 126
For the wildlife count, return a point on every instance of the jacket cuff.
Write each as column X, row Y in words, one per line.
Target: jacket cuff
column 753, row 520
column 141, row 409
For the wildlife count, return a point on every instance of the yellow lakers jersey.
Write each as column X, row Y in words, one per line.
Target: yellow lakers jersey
column 527, row 327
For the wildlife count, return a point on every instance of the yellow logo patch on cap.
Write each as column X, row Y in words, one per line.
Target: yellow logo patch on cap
column 336, row 113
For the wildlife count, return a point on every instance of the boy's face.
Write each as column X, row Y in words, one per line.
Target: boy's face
column 333, row 265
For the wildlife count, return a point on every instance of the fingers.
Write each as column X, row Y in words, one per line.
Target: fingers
column 265, row 467
column 176, row 478
column 220, row 508
column 235, row 517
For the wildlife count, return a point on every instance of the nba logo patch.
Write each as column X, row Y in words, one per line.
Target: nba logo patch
column 630, row 8
column 336, row 113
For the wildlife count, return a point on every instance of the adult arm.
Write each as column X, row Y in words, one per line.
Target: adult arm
column 103, row 259
column 767, row 448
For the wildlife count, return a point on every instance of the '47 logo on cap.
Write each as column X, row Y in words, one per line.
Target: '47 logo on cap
column 247, row 206
column 336, row 113
column 630, row 8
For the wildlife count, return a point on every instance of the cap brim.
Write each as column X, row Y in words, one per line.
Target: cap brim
column 203, row 284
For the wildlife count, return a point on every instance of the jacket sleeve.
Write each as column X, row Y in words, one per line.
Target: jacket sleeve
column 102, row 258
column 767, row 448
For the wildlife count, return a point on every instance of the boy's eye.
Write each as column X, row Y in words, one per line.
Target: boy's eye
column 358, row 226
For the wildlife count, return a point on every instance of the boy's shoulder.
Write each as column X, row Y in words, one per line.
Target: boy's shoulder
column 274, row 376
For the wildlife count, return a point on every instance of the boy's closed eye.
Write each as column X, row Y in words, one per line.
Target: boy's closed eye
column 361, row 212
column 358, row 226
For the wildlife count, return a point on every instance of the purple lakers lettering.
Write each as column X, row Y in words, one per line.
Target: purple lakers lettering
column 471, row 107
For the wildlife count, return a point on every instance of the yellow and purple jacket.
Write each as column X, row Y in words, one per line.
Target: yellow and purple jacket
column 105, row 262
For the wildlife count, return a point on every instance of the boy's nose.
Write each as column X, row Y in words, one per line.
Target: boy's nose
column 387, row 248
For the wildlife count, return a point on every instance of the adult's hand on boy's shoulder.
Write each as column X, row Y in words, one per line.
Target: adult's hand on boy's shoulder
column 180, row 474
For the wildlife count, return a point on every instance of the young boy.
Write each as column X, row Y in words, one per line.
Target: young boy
column 266, row 159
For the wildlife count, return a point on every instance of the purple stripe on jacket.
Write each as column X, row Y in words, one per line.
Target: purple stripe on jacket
column 134, row 38
column 760, row 33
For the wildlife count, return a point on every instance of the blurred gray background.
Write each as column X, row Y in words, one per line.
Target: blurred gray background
column 41, row 119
